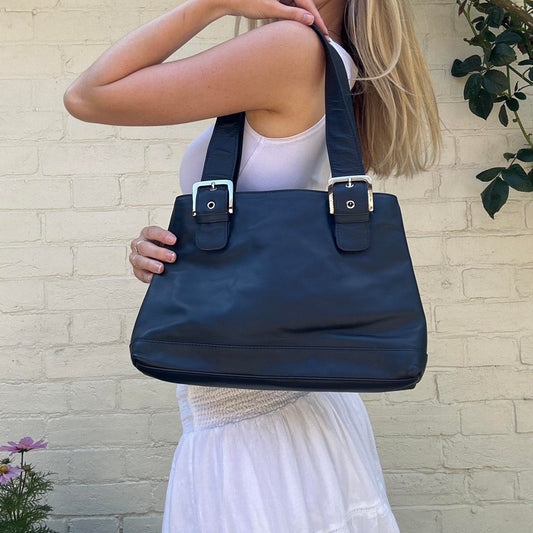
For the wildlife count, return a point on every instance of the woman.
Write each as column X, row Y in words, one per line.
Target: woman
column 265, row 461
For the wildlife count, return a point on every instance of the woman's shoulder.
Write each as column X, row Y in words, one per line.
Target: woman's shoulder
column 287, row 31
column 295, row 45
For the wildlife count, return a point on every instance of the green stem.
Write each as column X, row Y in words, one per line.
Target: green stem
column 22, row 480
column 520, row 75
column 526, row 135
column 466, row 13
column 517, row 117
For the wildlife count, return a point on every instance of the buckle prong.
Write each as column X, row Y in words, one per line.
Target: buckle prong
column 348, row 180
column 212, row 185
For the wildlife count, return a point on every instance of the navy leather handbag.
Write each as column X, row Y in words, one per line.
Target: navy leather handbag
column 286, row 289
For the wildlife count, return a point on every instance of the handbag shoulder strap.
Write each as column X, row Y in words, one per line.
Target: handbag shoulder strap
column 350, row 194
column 342, row 138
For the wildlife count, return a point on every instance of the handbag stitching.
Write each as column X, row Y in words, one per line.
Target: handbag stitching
column 261, row 346
column 276, row 376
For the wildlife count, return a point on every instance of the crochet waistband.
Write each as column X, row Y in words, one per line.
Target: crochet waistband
column 206, row 407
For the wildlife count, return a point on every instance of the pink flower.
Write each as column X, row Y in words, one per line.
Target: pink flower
column 23, row 445
column 7, row 472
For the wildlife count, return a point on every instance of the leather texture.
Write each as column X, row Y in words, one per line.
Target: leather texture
column 282, row 294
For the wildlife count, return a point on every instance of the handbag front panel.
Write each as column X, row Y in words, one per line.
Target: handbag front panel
column 281, row 284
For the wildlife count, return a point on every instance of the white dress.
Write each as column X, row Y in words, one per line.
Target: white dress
column 267, row 461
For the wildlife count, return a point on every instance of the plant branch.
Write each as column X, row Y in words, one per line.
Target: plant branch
column 520, row 75
column 517, row 116
column 515, row 10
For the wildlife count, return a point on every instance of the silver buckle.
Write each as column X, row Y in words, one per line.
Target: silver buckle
column 349, row 179
column 212, row 184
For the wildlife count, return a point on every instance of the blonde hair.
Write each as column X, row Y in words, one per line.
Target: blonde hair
column 393, row 97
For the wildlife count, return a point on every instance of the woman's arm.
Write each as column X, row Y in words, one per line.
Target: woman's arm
column 150, row 44
column 130, row 85
column 146, row 46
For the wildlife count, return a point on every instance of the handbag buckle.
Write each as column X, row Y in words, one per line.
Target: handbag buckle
column 349, row 179
column 212, row 184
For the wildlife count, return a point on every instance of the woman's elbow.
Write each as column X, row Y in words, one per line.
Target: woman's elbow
column 77, row 105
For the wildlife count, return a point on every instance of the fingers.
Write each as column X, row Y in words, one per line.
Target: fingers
column 143, row 276
column 157, row 233
column 303, row 11
column 141, row 262
column 147, row 249
column 153, row 233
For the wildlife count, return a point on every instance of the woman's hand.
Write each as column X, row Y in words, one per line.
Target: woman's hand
column 149, row 245
column 282, row 9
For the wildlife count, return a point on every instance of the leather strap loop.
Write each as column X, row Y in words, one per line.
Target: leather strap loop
column 212, row 231
column 352, row 224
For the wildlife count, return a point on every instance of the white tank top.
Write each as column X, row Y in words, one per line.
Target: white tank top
column 296, row 162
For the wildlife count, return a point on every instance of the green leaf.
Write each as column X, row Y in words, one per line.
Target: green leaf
column 489, row 174
column 490, row 36
column 462, row 68
column 520, row 95
column 513, row 104
column 472, row 86
column 509, row 37
column 525, row 62
column 517, row 178
column 525, row 154
column 502, row 54
column 494, row 196
column 481, row 104
column 483, row 7
column 508, row 155
column 502, row 116
column 495, row 81
column 495, row 17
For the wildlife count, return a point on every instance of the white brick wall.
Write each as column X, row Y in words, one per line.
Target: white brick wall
column 456, row 450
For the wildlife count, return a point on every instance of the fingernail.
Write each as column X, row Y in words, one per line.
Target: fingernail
column 308, row 19
column 171, row 256
column 171, row 239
